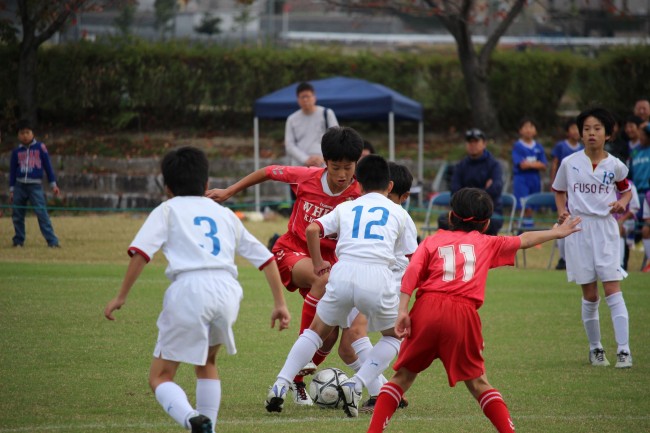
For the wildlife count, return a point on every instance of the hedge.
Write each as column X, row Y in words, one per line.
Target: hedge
column 182, row 84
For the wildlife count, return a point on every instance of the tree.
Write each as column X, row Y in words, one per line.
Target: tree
column 124, row 21
column 39, row 20
column 165, row 11
column 458, row 16
column 209, row 25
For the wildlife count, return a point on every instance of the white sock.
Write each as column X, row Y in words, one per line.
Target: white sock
column 622, row 251
column 362, row 348
column 620, row 320
column 208, row 398
column 592, row 323
column 301, row 353
column 378, row 359
column 356, row 365
column 646, row 247
column 174, row 401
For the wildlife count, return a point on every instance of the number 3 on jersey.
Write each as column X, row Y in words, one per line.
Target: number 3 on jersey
column 448, row 256
column 210, row 234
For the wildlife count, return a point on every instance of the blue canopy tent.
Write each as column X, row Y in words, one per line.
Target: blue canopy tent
column 351, row 99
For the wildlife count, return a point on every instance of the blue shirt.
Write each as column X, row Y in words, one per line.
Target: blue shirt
column 563, row 149
column 29, row 163
column 640, row 169
column 521, row 153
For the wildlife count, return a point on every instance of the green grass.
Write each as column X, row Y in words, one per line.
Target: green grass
column 64, row 368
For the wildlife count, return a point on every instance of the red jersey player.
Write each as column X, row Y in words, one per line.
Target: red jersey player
column 449, row 270
column 318, row 191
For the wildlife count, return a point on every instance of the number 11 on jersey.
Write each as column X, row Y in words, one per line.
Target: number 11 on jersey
column 448, row 256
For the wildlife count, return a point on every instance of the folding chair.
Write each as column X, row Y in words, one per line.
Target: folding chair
column 508, row 201
column 439, row 200
column 536, row 202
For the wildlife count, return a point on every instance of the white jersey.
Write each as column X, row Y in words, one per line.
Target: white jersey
column 195, row 233
column 590, row 191
column 371, row 229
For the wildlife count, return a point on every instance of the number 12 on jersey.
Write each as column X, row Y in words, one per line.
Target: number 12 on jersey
column 448, row 256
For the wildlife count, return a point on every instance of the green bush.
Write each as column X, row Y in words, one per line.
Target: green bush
column 125, row 82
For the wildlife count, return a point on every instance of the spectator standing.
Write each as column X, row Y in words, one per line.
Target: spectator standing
column 479, row 169
column 562, row 149
column 642, row 109
column 28, row 163
column 305, row 128
column 528, row 160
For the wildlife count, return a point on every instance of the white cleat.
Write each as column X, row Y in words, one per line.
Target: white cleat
column 597, row 358
column 623, row 360
column 309, row 368
column 350, row 397
column 300, row 395
column 275, row 397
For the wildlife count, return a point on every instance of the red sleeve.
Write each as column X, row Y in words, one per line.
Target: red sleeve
column 623, row 185
column 133, row 251
column 288, row 173
column 504, row 250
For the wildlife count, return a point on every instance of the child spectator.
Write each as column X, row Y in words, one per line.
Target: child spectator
column 528, row 159
column 588, row 181
column 449, row 270
column 318, row 192
column 633, row 125
column 645, row 230
column 199, row 239
column 562, row 149
column 371, row 230
column 28, row 163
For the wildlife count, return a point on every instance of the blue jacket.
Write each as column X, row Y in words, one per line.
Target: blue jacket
column 474, row 173
column 28, row 164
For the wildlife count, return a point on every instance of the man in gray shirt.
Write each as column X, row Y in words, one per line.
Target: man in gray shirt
column 305, row 128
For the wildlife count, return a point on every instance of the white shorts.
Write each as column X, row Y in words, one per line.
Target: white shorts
column 368, row 287
column 593, row 253
column 397, row 279
column 199, row 310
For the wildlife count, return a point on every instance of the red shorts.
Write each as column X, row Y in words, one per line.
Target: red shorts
column 448, row 328
column 288, row 251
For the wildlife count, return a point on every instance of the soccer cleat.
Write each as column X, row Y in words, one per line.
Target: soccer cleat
column 275, row 397
column 350, row 398
column 646, row 269
column 623, row 360
column 201, row 424
column 369, row 405
column 300, row 395
column 597, row 358
column 403, row 403
column 561, row 264
column 309, row 368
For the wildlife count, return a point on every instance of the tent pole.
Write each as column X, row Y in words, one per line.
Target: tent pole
column 420, row 158
column 256, row 158
column 391, row 136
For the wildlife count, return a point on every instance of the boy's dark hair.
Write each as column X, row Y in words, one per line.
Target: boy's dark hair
column 24, row 124
column 634, row 119
column 525, row 120
column 369, row 147
column 471, row 208
column 604, row 116
column 304, row 86
column 401, row 177
column 341, row 143
column 373, row 173
column 569, row 123
column 185, row 171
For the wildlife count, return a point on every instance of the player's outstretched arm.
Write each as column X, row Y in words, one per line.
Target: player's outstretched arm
column 530, row 239
column 221, row 195
column 136, row 265
column 280, row 311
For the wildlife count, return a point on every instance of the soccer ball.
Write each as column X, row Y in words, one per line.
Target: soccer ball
column 324, row 388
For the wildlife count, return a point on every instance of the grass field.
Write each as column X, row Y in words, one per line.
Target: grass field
column 64, row 368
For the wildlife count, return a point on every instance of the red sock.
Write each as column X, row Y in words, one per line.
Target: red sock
column 496, row 410
column 386, row 405
column 308, row 312
column 319, row 357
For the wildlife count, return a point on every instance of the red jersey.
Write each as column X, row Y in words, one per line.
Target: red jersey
column 313, row 197
column 456, row 263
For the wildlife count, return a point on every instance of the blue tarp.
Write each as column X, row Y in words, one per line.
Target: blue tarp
column 350, row 98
